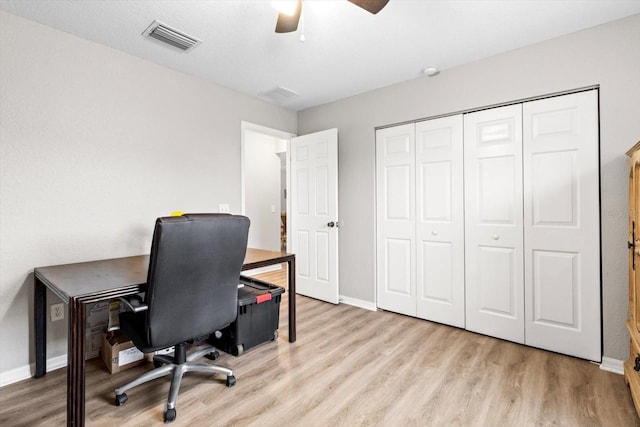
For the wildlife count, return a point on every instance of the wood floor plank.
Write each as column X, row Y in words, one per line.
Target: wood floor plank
column 352, row 367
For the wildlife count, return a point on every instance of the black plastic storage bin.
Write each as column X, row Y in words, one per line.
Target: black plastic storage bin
column 258, row 317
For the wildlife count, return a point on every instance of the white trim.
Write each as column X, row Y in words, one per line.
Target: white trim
column 260, row 270
column 287, row 225
column 612, row 365
column 25, row 372
column 367, row 305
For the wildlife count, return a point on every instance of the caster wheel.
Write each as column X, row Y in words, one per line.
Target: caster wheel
column 239, row 349
column 231, row 381
column 170, row 416
column 121, row 399
column 275, row 335
column 213, row 355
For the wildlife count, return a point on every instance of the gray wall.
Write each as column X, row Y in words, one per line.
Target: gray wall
column 94, row 145
column 608, row 55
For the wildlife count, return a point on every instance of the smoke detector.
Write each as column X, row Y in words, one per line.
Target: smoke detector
column 431, row 71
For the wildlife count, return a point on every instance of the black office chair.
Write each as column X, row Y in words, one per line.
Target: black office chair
column 192, row 291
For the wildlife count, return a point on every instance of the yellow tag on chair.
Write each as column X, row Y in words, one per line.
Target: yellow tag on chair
column 177, row 213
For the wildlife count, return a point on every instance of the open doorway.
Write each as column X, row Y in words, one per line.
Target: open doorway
column 311, row 209
column 264, row 185
column 281, row 151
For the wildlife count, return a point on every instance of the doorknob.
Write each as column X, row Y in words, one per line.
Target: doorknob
column 331, row 224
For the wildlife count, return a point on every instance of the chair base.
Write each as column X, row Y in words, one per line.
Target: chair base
column 177, row 368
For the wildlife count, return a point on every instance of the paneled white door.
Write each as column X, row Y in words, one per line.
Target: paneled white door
column 493, row 222
column 313, row 225
column 440, row 221
column 396, row 226
column 562, row 224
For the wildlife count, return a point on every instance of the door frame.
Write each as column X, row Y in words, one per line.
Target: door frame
column 248, row 126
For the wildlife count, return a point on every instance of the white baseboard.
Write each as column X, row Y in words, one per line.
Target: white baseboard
column 24, row 372
column 612, row 365
column 367, row 305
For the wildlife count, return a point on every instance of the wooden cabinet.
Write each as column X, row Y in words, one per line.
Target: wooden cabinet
column 632, row 366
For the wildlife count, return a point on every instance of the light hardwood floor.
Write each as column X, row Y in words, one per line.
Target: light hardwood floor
column 353, row 367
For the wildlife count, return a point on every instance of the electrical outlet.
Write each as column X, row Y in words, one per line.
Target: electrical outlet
column 223, row 208
column 57, row 312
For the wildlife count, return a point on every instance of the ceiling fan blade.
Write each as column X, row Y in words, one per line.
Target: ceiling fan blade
column 373, row 6
column 289, row 23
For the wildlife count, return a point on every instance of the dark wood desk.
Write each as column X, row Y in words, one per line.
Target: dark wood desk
column 89, row 282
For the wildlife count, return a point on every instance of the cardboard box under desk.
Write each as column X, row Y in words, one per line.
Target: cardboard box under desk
column 119, row 353
column 97, row 321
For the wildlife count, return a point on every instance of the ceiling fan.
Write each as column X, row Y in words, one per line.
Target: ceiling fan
column 289, row 22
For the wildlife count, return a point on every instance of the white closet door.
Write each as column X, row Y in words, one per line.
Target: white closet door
column 493, row 222
column 440, row 221
column 395, row 177
column 561, row 224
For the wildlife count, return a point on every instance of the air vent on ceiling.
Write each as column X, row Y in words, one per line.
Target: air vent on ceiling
column 171, row 36
column 279, row 94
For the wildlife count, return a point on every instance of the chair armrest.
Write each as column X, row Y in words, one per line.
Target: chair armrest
column 134, row 303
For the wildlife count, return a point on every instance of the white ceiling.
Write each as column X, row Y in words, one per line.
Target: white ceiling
column 347, row 50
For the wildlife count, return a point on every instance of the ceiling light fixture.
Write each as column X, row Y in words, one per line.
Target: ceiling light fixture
column 288, row 7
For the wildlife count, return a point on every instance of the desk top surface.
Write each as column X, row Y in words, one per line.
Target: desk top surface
column 122, row 276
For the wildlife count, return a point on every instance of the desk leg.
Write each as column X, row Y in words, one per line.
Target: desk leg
column 40, row 326
column 76, row 366
column 292, row 299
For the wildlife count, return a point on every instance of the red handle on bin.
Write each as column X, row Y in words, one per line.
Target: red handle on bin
column 262, row 298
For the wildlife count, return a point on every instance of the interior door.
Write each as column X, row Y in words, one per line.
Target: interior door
column 395, row 217
column 493, row 223
column 562, row 224
column 440, row 221
column 314, row 214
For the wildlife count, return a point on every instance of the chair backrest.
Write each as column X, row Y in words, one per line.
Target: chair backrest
column 194, row 271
